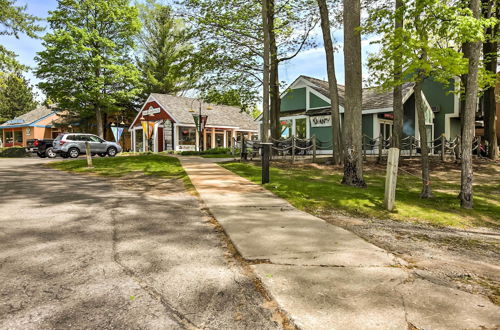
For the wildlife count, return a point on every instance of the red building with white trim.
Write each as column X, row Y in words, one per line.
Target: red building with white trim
column 168, row 123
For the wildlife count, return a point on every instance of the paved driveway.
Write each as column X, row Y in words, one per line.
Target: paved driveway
column 80, row 252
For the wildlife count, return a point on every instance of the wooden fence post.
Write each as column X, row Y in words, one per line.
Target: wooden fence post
column 443, row 141
column 89, row 156
column 411, row 145
column 314, row 148
column 478, row 146
column 380, row 146
column 364, row 146
column 391, row 178
column 293, row 149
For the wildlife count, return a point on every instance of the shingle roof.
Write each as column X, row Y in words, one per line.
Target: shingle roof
column 220, row 115
column 30, row 117
column 373, row 98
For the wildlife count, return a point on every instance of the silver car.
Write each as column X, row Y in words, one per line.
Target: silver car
column 73, row 144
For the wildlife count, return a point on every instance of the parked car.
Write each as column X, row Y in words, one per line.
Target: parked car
column 73, row 144
column 43, row 148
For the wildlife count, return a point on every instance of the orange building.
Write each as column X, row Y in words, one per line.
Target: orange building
column 36, row 124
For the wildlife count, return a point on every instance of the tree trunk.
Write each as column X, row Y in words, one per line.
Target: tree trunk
column 490, row 51
column 397, row 96
column 265, row 79
column 332, row 83
column 99, row 122
column 274, row 76
column 424, row 146
column 466, row 194
column 353, row 160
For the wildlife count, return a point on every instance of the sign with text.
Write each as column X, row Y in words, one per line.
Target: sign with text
column 151, row 111
column 321, row 121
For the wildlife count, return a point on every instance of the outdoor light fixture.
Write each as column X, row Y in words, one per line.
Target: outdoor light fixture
column 199, row 119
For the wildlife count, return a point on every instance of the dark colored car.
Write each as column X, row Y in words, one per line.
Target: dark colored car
column 43, row 148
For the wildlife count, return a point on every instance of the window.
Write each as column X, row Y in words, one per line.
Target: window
column 187, row 136
column 286, row 129
column 93, row 138
column 386, row 129
column 71, row 138
column 301, row 128
column 18, row 136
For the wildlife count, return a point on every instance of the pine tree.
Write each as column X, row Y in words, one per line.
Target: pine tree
column 16, row 97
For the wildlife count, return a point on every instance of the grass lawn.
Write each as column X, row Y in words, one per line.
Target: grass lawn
column 158, row 165
column 318, row 190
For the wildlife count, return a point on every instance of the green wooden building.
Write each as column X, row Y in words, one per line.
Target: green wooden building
column 305, row 111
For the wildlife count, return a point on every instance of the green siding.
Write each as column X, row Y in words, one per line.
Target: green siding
column 295, row 99
column 324, row 136
column 316, row 102
column 367, row 125
column 438, row 94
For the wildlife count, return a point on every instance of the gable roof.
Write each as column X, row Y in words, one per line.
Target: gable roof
column 373, row 98
column 220, row 115
column 29, row 118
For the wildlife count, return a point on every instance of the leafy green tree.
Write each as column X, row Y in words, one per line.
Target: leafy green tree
column 167, row 59
column 232, row 97
column 16, row 97
column 13, row 21
column 426, row 46
column 86, row 65
column 230, row 34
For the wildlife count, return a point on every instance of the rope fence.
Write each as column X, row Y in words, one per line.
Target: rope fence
column 293, row 147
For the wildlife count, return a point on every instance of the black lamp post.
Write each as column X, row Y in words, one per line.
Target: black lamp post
column 199, row 119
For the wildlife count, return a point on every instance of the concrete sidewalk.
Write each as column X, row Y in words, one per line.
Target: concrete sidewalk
column 323, row 276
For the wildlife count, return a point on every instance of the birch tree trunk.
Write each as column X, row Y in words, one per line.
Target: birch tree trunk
column 468, row 127
column 424, row 144
column 265, row 79
column 332, row 83
column 397, row 97
column 353, row 160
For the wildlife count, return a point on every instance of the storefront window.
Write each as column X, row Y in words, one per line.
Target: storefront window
column 286, row 129
column 300, row 128
column 187, row 135
column 18, row 137
column 139, row 140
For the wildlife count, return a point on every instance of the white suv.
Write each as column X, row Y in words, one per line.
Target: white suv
column 73, row 144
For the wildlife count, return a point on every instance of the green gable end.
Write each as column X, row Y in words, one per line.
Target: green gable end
column 295, row 99
column 317, row 102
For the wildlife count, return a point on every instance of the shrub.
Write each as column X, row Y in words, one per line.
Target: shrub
column 13, row 152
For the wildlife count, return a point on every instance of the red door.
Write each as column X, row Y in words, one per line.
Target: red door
column 160, row 139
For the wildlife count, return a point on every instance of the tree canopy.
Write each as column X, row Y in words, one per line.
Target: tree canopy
column 16, row 97
column 87, row 64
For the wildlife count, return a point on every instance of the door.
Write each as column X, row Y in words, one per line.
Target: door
column 97, row 145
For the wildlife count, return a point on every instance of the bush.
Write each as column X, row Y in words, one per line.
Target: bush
column 13, row 152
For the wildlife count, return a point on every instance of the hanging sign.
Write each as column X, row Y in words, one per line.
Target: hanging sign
column 151, row 111
column 117, row 132
column 321, row 121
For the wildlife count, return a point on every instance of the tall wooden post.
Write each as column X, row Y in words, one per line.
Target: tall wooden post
column 443, row 141
column 391, row 178
column 380, row 147
column 314, row 148
column 266, row 151
column 89, row 156
column 293, row 149
column 411, row 145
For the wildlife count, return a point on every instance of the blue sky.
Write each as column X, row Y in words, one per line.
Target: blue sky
column 311, row 62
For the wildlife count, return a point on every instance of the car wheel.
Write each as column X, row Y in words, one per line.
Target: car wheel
column 50, row 153
column 112, row 152
column 41, row 154
column 102, row 154
column 64, row 155
column 74, row 152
